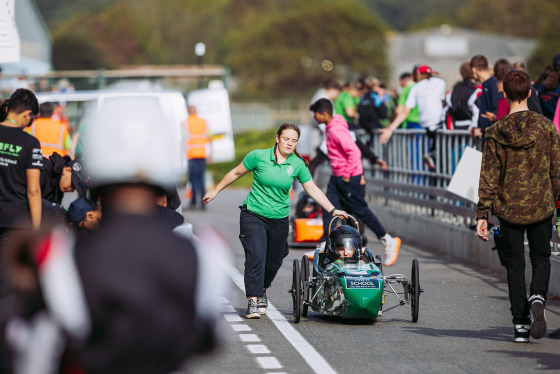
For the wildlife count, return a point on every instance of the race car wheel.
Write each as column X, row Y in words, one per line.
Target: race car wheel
column 304, row 284
column 415, row 290
column 296, row 291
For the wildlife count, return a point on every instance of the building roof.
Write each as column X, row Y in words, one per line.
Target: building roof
column 445, row 48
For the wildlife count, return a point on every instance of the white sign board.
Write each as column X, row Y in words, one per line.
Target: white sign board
column 9, row 36
column 212, row 105
column 465, row 179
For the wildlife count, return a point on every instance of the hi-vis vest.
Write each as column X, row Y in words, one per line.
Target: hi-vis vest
column 197, row 137
column 51, row 134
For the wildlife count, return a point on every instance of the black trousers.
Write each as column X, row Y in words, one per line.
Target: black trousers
column 538, row 235
column 265, row 241
column 350, row 195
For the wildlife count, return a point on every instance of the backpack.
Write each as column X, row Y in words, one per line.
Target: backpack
column 371, row 113
column 459, row 101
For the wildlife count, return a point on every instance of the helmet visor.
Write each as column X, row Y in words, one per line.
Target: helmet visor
column 347, row 247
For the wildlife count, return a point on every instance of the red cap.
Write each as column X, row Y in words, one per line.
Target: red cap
column 425, row 69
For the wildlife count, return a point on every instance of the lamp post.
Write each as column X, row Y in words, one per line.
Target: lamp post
column 199, row 51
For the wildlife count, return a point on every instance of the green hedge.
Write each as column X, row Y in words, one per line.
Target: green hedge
column 244, row 143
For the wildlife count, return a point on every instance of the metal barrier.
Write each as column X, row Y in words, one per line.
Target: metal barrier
column 409, row 185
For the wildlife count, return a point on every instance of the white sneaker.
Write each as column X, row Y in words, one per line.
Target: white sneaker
column 392, row 246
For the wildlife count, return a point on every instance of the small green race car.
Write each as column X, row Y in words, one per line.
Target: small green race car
column 350, row 286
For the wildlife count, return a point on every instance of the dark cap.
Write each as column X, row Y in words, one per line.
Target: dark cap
column 79, row 180
column 78, row 209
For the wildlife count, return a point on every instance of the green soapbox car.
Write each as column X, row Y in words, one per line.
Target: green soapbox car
column 350, row 290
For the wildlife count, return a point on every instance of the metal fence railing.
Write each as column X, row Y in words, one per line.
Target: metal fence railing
column 409, row 185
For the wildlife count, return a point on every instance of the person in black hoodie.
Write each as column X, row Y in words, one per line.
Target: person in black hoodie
column 461, row 101
column 61, row 174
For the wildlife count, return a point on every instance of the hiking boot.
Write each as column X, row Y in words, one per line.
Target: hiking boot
column 392, row 246
column 538, row 320
column 252, row 310
column 521, row 333
column 262, row 303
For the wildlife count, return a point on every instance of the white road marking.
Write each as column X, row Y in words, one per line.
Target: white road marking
column 228, row 309
column 222, row 300
column 269, row 362
column 249, row 338
column 258, row 349
column 232, row 318
column 315, row 361
column 240, row 327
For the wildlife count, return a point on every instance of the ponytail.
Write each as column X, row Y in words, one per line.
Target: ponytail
column 304, row 160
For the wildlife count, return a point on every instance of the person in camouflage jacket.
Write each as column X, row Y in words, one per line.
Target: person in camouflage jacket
column 520, row 181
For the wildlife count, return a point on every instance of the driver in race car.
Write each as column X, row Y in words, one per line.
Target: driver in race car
column 344, row 247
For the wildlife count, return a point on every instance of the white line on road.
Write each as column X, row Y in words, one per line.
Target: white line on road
column 232, row 318
column 269, row 362
column 302, row 346
column 240, row 327
column 258, row 349
column 249, row 338
column 228, row 309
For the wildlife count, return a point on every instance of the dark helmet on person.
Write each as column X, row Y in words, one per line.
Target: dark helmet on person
column 347, row 238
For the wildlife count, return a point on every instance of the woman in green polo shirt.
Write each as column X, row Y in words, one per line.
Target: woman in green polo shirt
column 263, row 220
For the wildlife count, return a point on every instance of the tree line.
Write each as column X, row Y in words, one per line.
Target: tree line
column 275, row 48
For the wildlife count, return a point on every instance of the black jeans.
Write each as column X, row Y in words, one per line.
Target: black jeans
column 538, row 235
column 265, row 241
column 350, row 196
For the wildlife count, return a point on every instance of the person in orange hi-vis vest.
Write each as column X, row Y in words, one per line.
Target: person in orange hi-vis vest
column 53, row 135
column 197, row 146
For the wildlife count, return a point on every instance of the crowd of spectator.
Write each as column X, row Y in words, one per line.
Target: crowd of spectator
column 473, row 104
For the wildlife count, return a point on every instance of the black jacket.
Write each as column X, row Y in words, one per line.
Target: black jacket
column 50, row 177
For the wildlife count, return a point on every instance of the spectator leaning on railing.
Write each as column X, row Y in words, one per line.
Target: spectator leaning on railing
column 429, row 95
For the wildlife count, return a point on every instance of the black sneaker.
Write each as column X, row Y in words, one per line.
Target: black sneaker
column 521, row 333
column 538, row 320
column 252, row 310
column 262, row 303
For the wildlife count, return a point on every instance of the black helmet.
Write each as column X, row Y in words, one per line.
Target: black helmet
column 347, row 238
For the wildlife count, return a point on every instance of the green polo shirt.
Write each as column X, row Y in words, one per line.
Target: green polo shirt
column 413, row 116
column 270, row 192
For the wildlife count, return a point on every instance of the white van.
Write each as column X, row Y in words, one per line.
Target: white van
column 212, row 105
column 171, row 103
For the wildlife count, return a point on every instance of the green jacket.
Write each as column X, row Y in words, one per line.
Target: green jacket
column 520, row 174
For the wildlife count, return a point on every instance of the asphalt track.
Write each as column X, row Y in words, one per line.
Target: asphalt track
column 464, row 324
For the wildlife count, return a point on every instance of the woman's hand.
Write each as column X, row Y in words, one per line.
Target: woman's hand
column 210, row 195
column 341, row 214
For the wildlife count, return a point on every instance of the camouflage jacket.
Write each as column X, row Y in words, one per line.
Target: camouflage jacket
column 520, row 174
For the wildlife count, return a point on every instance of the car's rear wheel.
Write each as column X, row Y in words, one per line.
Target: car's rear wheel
column 305, row 285
column 296, row 291
column 415, row 290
